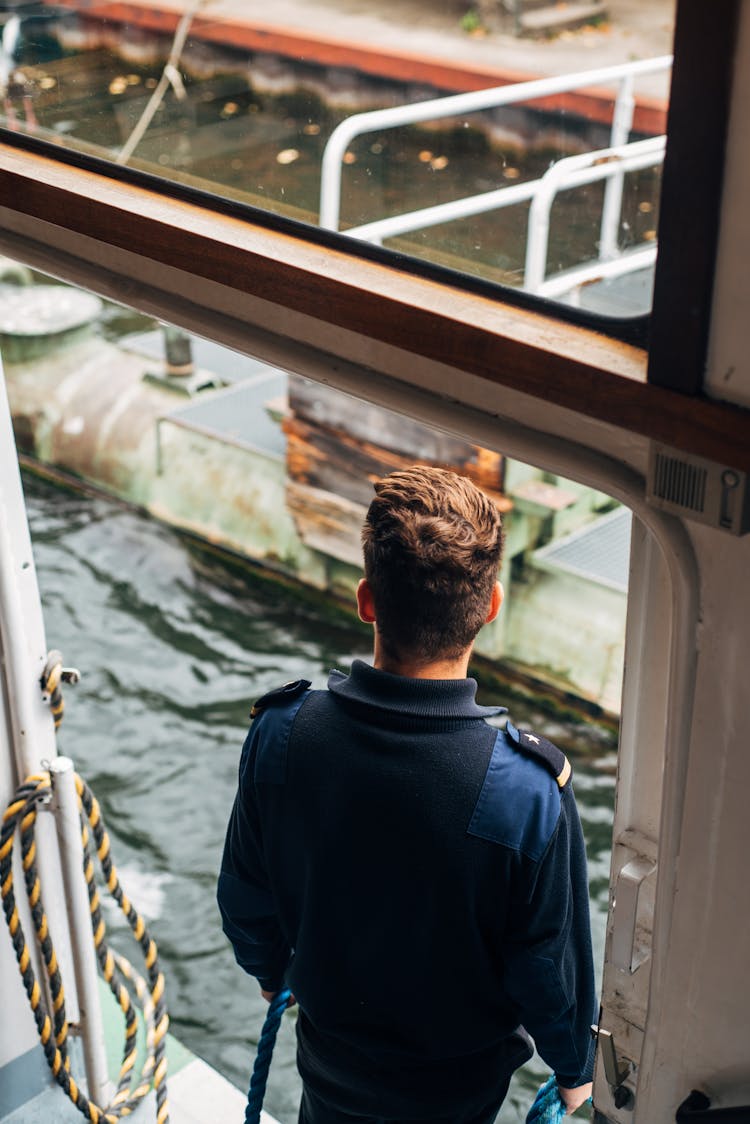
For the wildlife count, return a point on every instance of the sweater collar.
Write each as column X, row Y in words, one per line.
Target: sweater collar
column 418, row 698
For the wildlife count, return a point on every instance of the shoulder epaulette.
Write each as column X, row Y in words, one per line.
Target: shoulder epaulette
column 280, row 695
column 543, row 751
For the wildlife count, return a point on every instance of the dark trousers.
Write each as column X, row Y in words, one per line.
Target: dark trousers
column 314, row 1110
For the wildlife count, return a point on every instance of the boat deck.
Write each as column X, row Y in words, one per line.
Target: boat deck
column 236, row 414
column 597, row 552
column 197, row 1095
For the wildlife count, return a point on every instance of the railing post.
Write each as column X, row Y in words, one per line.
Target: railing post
column 622, row 123
column 330, row 176
column 537, row 237
column 91, row 1027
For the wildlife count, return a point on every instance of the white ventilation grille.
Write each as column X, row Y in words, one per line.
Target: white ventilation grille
column 698, row 489
column 679, row 482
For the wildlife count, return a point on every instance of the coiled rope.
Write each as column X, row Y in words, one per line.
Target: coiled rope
column 53, row 1028
column 266, row 1044
column 548, row 1107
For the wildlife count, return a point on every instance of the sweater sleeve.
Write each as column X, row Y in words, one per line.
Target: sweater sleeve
column 244, row 895
column 548, row 957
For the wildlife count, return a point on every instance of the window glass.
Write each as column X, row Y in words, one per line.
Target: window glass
column 246, row 102
column 267, row 475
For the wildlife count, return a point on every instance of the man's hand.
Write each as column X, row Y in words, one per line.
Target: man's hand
column 268, row 996
column 574, row 1098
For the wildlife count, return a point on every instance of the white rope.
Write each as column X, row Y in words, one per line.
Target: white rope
column 170, row 76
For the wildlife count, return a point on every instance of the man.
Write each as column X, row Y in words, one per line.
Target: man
column 416, row 876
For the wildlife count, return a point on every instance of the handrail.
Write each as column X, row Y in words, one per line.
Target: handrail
column 494, row 200
column 459, row 104
column 622, row 123
column 572, row 171
column 630, row 261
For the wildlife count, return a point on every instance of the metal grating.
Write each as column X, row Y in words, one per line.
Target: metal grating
column 598, row 552
column 237, row 415
column 680, row 483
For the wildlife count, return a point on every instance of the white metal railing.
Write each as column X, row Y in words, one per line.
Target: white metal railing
column 574, row 171
column 27, row 738
column 611, row 164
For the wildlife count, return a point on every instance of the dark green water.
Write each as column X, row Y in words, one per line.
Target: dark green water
column 173, row 647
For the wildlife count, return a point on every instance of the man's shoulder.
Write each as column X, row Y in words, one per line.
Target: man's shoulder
column 544, row 752
column 273, row 716
column 280, row 696
column 520, row 801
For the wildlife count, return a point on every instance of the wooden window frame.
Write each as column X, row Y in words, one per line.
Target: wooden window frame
column 61, row 218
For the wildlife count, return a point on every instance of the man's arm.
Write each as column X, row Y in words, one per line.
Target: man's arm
column 574, row 1098
column 548, row 957
column 245, row 900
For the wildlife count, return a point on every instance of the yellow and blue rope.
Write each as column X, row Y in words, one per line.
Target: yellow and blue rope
column 20, row 816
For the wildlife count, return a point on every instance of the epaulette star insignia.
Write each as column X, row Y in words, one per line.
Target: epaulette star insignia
column 280, row 695
column 543, row 751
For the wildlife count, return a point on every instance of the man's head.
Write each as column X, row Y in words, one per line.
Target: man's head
column 432, row 546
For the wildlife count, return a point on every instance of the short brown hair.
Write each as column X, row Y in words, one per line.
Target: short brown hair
column 432, row 546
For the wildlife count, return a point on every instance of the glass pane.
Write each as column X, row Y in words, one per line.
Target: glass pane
column 244, row 102
column 267, row 476
column 279, row 468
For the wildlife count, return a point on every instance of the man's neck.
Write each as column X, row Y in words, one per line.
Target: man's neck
column 411, row 669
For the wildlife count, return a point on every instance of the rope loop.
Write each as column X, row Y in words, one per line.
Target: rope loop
column 51, row 680
column 53, row 1028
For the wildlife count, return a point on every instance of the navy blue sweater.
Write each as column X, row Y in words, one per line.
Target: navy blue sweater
column 419, row 883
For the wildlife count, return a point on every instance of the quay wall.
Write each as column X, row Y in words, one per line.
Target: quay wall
column 233, row 26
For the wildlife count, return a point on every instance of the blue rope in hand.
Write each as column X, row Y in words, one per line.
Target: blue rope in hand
column 548, row 1108
column 258, row 1081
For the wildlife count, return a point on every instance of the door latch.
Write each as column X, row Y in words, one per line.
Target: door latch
column 630, row 883
column 615, row 1071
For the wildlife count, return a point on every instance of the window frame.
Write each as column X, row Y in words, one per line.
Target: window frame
column 692, row 181
column 80, row 225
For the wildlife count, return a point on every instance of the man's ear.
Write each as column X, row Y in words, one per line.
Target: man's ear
column 365, row 603
column 495, row 602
